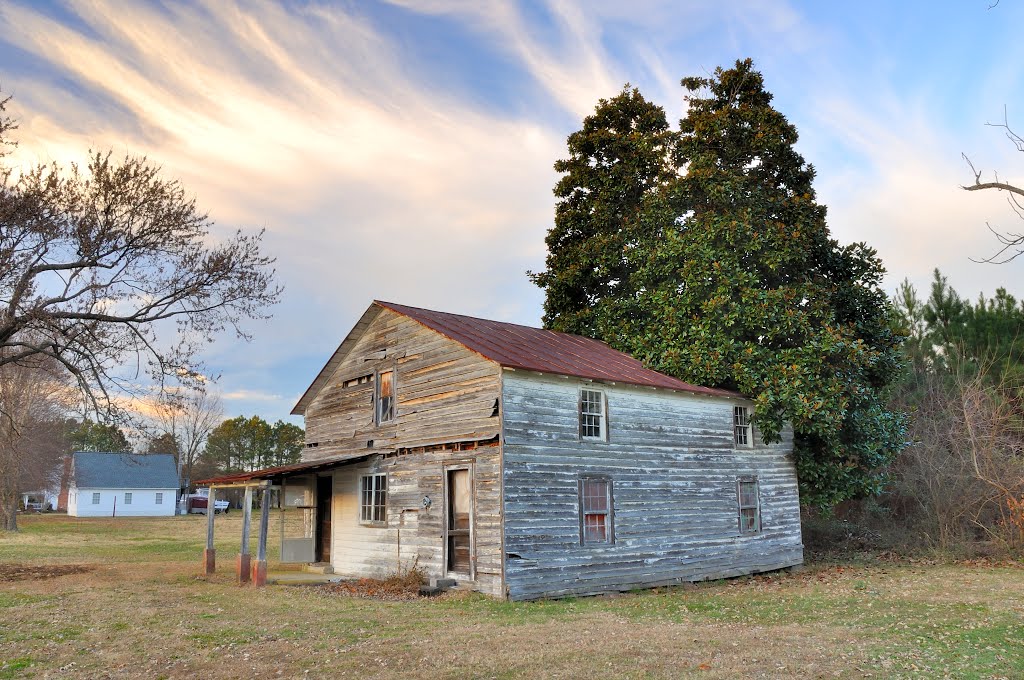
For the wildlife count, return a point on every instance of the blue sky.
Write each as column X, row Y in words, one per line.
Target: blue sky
column 403, row 150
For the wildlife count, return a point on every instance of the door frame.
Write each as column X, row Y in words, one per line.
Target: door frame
column 445, row 470
column 318, row 545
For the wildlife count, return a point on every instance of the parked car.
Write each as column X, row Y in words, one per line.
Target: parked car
column 198, row 503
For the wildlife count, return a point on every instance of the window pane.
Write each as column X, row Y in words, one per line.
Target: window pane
column 591, row 413
column 595, row 528
column 748, row 494
column 595, row 495
column 748, row 519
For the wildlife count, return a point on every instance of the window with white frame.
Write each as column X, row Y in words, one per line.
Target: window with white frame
column 592, row 418
column 596, row 516
column 159, row 498
column 748, row 498
column 385, row 397
column 96, row 499
column 127, row 497
column 743, row 434
column 373, row 499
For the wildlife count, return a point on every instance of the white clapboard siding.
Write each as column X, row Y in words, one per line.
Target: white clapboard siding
column 112, row 502
column 674, row 469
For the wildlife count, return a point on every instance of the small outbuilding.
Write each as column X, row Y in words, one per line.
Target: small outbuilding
column 122, row 485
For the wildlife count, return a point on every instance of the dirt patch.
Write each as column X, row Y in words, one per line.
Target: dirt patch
column 24, row 572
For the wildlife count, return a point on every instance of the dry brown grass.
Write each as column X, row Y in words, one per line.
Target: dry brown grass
column 150, row 616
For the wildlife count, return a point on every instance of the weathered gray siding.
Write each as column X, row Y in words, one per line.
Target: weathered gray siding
column 674, row 470
column 444, row 392
column 414, row 534
column 445, row 398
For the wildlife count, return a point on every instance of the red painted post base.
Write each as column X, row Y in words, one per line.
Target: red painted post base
column 243, row 567
column 259, row 573
column 209, row 561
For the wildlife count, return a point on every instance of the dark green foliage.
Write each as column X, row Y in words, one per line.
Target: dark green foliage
column 734, row 281
column 950, row 334
column 90, row 436
column 616, row 162
column 252, row 444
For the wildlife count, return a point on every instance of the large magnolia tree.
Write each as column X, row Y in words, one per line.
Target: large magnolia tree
column 111, row 274
column 733, row 280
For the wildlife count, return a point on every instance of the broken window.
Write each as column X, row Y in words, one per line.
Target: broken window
column 361, row 380
column 748, row 496
column 595, row 510
column 592, row 425
column 373, row 499
column 385, row 396
column 742, row 434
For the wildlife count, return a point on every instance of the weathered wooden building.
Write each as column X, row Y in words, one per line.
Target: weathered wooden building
column 527, row 463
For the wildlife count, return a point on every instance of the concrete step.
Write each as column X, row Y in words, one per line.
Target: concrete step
column 318, row 568
column 442, row 583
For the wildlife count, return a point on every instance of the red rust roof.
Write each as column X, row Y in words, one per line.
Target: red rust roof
column 537, row 349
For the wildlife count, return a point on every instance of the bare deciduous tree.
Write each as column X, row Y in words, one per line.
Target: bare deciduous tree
column 33, row 401
column 188, row 416
column 113, row 273
column 1011, row 244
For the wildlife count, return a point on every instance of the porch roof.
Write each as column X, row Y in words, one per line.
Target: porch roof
column 282, row 471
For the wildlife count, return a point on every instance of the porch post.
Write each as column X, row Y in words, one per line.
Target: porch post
column 259, row 570
column 243, row 567
column 209, row 554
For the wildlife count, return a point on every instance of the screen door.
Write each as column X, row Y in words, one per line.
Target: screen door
column 459, row 524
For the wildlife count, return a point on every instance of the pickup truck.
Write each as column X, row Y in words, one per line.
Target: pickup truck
column 198, row 503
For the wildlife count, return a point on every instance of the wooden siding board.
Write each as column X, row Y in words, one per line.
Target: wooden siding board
column 674, row 468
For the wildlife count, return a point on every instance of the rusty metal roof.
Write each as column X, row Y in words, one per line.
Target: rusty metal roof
column 537, row 349
column 283, row 470
column 515, row 346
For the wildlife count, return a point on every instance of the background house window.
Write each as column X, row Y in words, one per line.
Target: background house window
column 595, row 511
column 373, row 499
column 95, row 499
column 749, row 506
column 592, row 421
column 385, row 396
column 741, row 426
column 127, row 497
column 159, row 498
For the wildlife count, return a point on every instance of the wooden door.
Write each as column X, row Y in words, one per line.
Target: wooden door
column 324, row 496
column 459, row 522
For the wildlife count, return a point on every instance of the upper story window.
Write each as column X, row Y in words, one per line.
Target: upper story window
column 361, row 380
column 749, row 501
column 373, row 499
column 742, row 433
column 385, row 397
column 595, row 510
column 592, row 415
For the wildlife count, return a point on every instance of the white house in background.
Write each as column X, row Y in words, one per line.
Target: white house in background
column 43, row 499
column 122, row 485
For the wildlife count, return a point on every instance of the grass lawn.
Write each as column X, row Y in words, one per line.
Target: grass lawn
column 140, row 610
